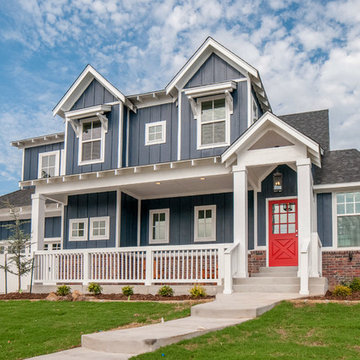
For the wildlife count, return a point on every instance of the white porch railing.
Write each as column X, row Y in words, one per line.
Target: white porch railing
column 231, row 259
column 148, row 265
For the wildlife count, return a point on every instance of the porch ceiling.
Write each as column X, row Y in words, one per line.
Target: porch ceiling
column 193, row 186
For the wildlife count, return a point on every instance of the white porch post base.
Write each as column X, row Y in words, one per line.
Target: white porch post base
column 241, row 219
column 228, row 280
column 37, row 222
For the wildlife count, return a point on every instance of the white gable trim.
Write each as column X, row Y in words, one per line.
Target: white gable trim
column 80, row 85
column 313, row 148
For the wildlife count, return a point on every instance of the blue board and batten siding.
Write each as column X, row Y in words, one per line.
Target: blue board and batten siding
column 87, row 206
column 53, row 227
column 111, row 147
column 141, row 154
column 31, row 160
column 129, row 214
column 213, row 70
column 325, row 219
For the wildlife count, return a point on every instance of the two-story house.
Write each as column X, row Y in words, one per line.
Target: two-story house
column 196, row 183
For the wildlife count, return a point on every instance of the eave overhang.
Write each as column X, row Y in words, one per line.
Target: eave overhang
column 39, row 140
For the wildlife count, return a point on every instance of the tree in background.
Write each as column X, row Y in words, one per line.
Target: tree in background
column 19, row 242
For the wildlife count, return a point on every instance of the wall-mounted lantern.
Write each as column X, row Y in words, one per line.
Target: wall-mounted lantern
column 277, row 182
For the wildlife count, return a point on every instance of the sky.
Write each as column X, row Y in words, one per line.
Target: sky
column 307, row 53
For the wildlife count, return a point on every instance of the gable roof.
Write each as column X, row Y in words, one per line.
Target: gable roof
column 312, row 146
column 339, row 166
column 17, row 198
column 80, row 85
column 313, row 124
column 209, row 47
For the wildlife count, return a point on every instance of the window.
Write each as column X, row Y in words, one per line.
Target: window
column 78, row 229
column 52, row 246
column 91, row 142
column 155, row 133
column 205, row 223
column 159, row 226
column 348, row 219
column 213, row 123
column 99, row 228
column 48, row 164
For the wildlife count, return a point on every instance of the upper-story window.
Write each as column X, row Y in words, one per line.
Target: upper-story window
column 48, row 164
column 92, row 140
column 213, row 123
column 348, row 219
column 155, row 133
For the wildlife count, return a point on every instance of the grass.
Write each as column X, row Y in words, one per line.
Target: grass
column 33, row 328
column 322, row 331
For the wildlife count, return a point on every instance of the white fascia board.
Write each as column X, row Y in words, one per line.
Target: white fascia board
column 87, row 112
column 39, row 140
column 211, row 89
column 269, row 117
column 336, row 187
column 210, row 45
column 79, row 86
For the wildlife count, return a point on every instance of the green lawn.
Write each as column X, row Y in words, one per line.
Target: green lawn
column 324, row 331
column 33, row 328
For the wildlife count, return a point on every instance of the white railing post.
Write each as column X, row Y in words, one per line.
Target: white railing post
column 86, row 268
column 228, row 280
column 221, row 264
column 148, row 272
column 304, row 273
column 315, row 268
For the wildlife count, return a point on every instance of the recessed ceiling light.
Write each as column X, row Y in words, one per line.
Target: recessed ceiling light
column 202, row 178
column 158, row 183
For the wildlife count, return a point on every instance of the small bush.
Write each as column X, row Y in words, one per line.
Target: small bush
column 197, row 292
column 94, row 288
column 63, row 290
column 355, row 284
column 166, row 291
column 127, row 290
column 341, row 290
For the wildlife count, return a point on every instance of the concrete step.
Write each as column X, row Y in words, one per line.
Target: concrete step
column 267, row 280
column 278, row 269
column 267, row 288
column 81, row 354
column 151, row 337
column 275, row 274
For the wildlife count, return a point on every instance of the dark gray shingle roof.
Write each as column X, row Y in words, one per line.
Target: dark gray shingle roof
column 313, row 124
column 17, row 198
column 338, row 166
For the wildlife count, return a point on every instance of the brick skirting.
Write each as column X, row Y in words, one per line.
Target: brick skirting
column 337, row 266
column 256, row 259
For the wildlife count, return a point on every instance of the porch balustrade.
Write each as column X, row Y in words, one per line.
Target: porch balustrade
column 142, row 265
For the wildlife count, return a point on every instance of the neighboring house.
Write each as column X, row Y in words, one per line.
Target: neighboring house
column 199, row 182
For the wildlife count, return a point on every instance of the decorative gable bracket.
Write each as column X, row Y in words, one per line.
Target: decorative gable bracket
column 210, row 90
column 75, row 116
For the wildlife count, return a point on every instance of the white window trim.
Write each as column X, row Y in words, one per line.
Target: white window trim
column 227, row 123
column 102, row 147
column 57, row 161
column 167, row 226
column 335, row 224
column 163, row 129
column 196, row 216
column 107, row 228
column 82, row 238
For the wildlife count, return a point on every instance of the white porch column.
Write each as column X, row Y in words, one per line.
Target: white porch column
column 37, row 222
column 241, row 218
column 305, row 214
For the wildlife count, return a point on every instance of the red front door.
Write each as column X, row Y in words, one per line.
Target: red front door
column 283, row 241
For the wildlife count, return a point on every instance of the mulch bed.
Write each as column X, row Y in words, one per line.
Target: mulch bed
column 135, row 297
column 330, row 296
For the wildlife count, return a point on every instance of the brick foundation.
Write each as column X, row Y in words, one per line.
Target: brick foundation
column 256, row 259
column 337, row 267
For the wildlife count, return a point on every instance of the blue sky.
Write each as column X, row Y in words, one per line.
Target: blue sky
column 307, row 52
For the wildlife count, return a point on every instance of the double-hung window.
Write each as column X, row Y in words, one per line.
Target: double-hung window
column 348, row 219
column 48, row 164
column 159, row 226
column 155, row 133
column 205, row 223
column 78, row 229
column 99, row 228
column 91, row 142
column 213, row 123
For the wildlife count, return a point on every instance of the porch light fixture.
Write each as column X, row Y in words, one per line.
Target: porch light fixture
column 202, row 178
column 158, row 183
column 277, row 182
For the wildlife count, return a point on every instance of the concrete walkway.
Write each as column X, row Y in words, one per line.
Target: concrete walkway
column 226, row 310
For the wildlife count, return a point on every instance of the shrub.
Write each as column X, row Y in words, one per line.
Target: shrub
column 197, row 292
column 63, row 290
column 94, row 288
column 355, row 284
column 127, row 290
column 341, row 290
column 166, row 291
